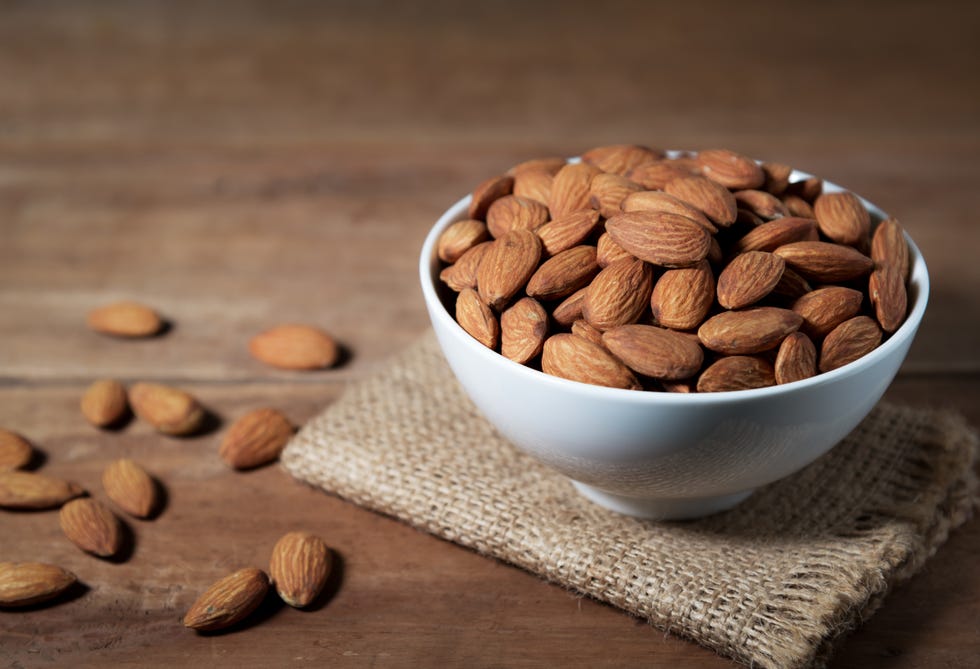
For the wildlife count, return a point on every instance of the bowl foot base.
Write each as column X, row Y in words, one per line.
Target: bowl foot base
column 661, row 509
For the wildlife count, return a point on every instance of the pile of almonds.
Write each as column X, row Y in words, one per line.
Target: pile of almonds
column 680, row 272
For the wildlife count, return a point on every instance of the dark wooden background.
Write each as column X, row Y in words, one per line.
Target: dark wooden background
column 239, row 164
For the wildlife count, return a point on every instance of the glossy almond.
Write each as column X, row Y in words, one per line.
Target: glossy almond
column 797, row 206
column 618, row 294
column 534, row 185
column 714, row 200
column 256, row 438
column 104, row 403
column 796, row 359
column 300, row 567
column 660, row 238
column 459, row 238
column 773, row 234
column 656, row 174
column 513, row 212
column 169, row 410
column 295, row 347
column 654, row 352
column 886, row 289
column 571, row 357
column 479, row 321
column 777, row 177
column 608, row 191
column 681, row 298
column 843, row 219
column 570, row 190
column 130, row 488
column 824, row 261
column 568, row 231
column 523, row 328
column 462, row 273
column 761, row 203
column 29, row 490
column 507, row 266
column 570, row 309
column 29, row 583
column 736, row 372
column 889, row 247
column 748, row 278
column 749, row 331
column 825, row 308
column 730, row 169
column 229, row 600
column 655, row 200
column 125, row 319
column 620, row 158
column 849, row 341
column 486, row 193
column 15, row 451
column 608, row 251
column 560, row 276
column 90, row 525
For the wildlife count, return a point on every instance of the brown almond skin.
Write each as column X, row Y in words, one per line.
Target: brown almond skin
column 228, row 601
column 608, row 191
column 560, row 276
column 477, row 318
column 535, row 184
column 842, row 218
column 30, row 583
column 512, row 212
column 826, row 308
column 770, row 236
column 126, row 319
column 736, row 372
column 748, row 278
column 507, row 266
column 256, row 438
column 608, row 251
column 571, row 357
column 849, row 341
column 824, row 261
column 582, row 329
column 750, row 331
column 730, row 169
column 462, row 273
column 796, row 359
column 486, row 193
column 15, row 451
column 295, row 347
column 886, row 288
column 570, row 309
column 90, row 525
column 889, row 247
column 300, row 567
column 523, row 329
column 549, row 165
column 169, row 410
column 620, row 158
column 765, row 205
column 570, row 189
column 660, row 238
column 808, row 189
column 568, row 231
column 459, row 238
column 130, row 488
column 104, row 403
column 797, row 206
column 713, row 199
column 681, row 298
column 655, row 200
column 777, row 177
column 656, row 174
column 791, row 285
column 29, row 490
column 618, row 294
column 654, row 352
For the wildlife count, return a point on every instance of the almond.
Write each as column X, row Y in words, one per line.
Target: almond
column 608, row 251
column 571, row 357
column 777, row 177
column 796, row 359
column 608, row 191
column 256, row 439
column 130, row 487
column 229, row 600
column 654, row 352
column 761, row 203
column 570, row 189
column 797, row 206
column 570, row 309
column 582, row 328
column 562, row 275
column 568, row 231
column 29, row 583
column 549, row 165
column 660, row 238
column 513, row 212
column 299, row 567
column 791, row 285
column 823, row 261
column 736, row 372
column 459, row 238
column 748, row 278
column 681, row 298
column 808, row 189
column 886, row 288
column 486, row 193
column 474, row 316
column 770, row 236
column 655, row 200
column 730, row 169
column 657, row 174
column 507, row 266
column 534, row 185
column 523, row 328
column 842, row 218
column 28, row 490
column 825, row 308
column 713, row 199
column 618, row 294
column 750, row 331
column 849, row 341
column 15, row 451
column 169, row 410
column 888, row 247
column 620, row 158
column 295, row 347
column 90, row 525
column 104, row 403
column 125, row 319
column 462, row 274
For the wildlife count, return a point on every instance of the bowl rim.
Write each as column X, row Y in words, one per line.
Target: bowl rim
column 918, row 280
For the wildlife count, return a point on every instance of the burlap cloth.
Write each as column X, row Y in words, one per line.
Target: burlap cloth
column 772, row 583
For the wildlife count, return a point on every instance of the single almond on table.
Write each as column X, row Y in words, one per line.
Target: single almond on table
column 130, row 487
column 256, row 438
column 104, row 403
column 229, row 600
column 608, row 251
column 824, row 261
column 618, row 294
column 296, row 347
column 656, row 174
column 849, row 341
column 169, row 410
column 620, row 158
column 90, row 525
column 570, row 309
column 886, row 288
column 736, row 372
column 762, row 204
column 459, row 238
column 656, row 200
column 749, row 331
column 462, row 273
column 28, row 583
column 535, row 184
column 608, row 191
column 826, row 308
column 507, row 266
column 713, row 199
column 748, row 278
column 660, row 238
column 28, row 490
column 474, row 316
column 770, row 236
column 888, row 247
column 777, row 177
column 523, row 328
column 570, row 230
column 654, row 352
column 15, row 451
column 125, row 319
column 842, row 218
column 570, row 189
column 486, row 193
column 513, row 212
column 681, row 298
column 730, row 169
column 796, row 359
column 571, row 357
column 563, row 274
column 299, row 567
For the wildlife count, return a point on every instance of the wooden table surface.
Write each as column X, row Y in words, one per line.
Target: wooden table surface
column 237, row 165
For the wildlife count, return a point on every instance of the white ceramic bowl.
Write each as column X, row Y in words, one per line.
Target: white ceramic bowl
column 665, row 455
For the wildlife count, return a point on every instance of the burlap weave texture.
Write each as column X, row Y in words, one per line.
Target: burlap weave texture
column 773, row 583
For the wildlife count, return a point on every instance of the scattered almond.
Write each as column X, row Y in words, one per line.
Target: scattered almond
column 229, row 600
column 15, row 451
column 104, row 403
column 125, row 319
column 29, row 583
column 255, row 439
column 299, row 567
column 297, row 347
column 90, row 525
column 130, row 487
column 28, row 490
column 169, row 410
